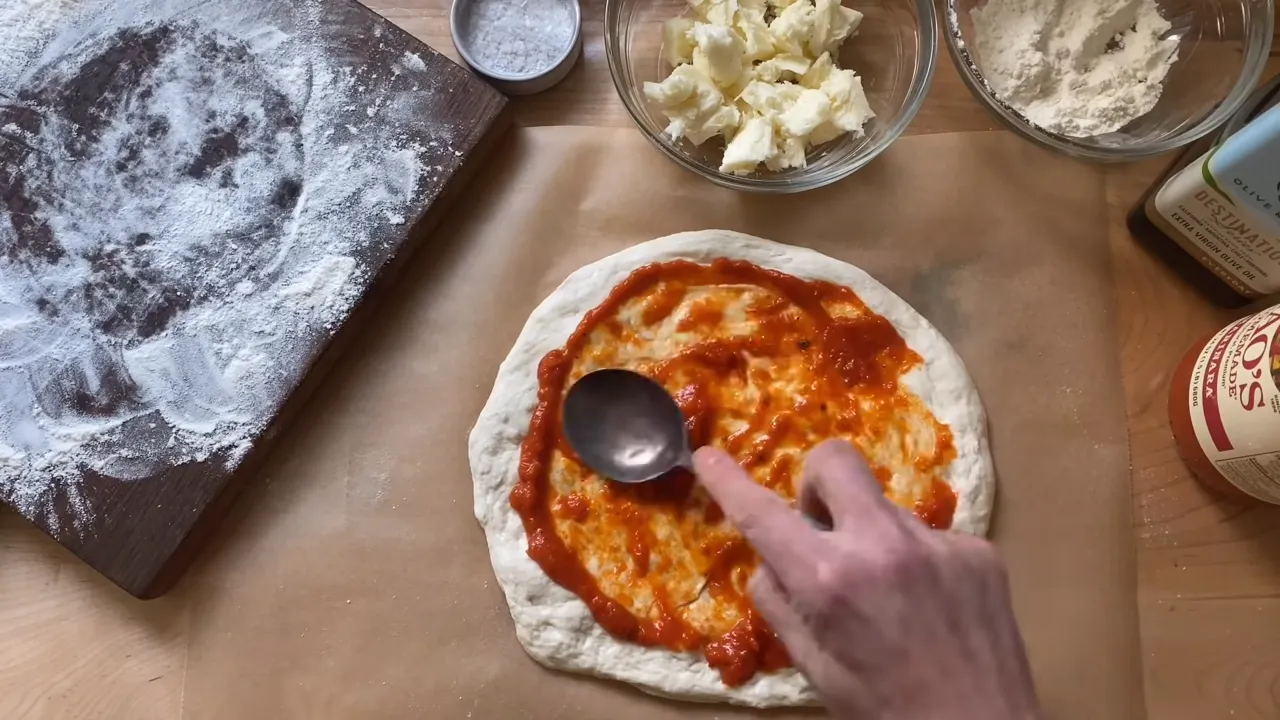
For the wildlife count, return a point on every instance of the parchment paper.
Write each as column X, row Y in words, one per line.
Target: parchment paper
column 353, row 580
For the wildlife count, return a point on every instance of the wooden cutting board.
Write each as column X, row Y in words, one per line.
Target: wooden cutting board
column 200, row 200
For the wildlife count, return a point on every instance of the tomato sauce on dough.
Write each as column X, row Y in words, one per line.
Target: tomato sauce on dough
column 762, row 364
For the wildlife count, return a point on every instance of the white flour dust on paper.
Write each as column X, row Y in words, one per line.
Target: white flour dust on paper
column 180, row 224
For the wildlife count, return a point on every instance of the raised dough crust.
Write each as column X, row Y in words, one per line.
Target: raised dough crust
column 554, row 626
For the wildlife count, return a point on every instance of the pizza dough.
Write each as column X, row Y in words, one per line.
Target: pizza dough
column 554, row 625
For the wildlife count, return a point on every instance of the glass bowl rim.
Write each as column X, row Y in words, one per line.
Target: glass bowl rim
column 1255, row 63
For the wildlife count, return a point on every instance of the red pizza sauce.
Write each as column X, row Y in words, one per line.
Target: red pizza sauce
column 848, row 367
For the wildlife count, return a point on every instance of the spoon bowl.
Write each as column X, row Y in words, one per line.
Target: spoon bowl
column 625, row 426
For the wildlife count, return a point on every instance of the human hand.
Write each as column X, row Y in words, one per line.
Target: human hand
column 888, row 619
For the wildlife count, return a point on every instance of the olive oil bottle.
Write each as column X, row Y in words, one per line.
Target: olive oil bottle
column 1215, row 214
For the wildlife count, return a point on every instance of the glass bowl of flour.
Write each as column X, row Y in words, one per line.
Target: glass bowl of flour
column 893, row 51
column 1111, row 80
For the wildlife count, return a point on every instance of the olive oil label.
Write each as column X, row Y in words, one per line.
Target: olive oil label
column 1224, row 208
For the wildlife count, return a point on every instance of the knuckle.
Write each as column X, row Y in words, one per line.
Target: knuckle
column 979, row 553
column 833, row 576
column 980, row 559
column 829, row 589
column 904, row 562
column 764, row 590
column 993, row 565
column 752, row 522
column 831, row 569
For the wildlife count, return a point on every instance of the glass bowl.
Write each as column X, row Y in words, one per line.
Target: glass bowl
column 1222, row 51
column 895, row 52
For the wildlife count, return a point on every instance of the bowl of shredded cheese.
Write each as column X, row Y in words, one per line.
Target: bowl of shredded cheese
column 771, row 95
column 1111, row 80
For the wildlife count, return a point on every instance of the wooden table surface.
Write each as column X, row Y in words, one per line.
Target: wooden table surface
column 1209, row 569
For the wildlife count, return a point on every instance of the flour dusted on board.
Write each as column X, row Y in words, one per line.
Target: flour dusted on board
column 1075, row 67
column 185, row 225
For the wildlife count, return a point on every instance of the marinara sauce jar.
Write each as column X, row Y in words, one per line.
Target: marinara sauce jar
column 1224, row 407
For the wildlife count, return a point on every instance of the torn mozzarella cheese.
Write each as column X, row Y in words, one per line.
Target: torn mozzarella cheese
column 751, row 146
column 770, row 88
column 718, row 53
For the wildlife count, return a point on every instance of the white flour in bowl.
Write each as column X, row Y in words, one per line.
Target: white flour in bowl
column 1075, row 67
column 181, row 229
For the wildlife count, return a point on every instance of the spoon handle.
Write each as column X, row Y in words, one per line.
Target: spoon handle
column 686, row 460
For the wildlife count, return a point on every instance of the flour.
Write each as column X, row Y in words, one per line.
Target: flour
column 321, row 289
column 182, row 230
column 518, row 37
column 411, row 62
column 1075, row 67
column 26, row 25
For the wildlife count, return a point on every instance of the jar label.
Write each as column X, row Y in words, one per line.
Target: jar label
column 1235, row 403
column 1226, row 234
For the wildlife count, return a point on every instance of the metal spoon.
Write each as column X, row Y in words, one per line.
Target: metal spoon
column 625, row 426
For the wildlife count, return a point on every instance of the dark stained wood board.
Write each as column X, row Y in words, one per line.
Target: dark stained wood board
column 142, row 533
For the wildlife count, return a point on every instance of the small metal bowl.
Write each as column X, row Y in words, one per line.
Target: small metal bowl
column 517, row 84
